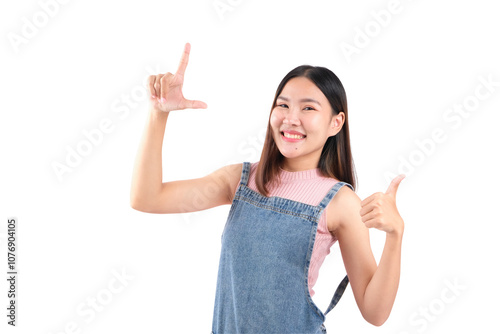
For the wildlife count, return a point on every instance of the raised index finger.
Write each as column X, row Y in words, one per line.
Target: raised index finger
column 184, row 60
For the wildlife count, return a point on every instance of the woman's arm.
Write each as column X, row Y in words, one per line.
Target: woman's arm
column 148, row 193
column 147, row 175
column 374, row 287
column 380, row 293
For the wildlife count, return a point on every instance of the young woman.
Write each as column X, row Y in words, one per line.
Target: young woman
column 286, row 210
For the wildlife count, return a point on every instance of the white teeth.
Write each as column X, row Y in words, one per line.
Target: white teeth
column 289, row 135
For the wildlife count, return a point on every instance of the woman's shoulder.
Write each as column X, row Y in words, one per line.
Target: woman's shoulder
column 345, row 195
column 343, row 205
column 232, row 174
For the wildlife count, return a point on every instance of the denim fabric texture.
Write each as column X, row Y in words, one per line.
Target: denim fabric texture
column 262, row 285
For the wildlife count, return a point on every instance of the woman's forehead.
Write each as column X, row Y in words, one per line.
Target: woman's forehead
column 301, row 89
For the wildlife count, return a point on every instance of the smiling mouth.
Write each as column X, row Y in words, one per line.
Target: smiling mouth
column 292, row 136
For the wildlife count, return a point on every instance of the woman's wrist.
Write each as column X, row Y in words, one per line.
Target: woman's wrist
column 395, row 235
column 158, row 114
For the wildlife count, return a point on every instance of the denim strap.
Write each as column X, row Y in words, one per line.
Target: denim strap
column 324, row 203
column 338, row 293
column 245, row 172
column 331, row 193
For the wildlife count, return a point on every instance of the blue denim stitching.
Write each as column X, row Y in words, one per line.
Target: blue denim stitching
column 272, row 208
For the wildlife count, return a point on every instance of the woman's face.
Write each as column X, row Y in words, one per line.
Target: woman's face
column 301, row 123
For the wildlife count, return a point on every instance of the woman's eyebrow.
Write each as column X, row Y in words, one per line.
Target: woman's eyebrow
column 303, row 100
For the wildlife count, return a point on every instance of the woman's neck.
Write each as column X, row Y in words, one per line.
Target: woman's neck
column 299, row 164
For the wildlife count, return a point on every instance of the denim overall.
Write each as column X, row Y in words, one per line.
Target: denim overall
column 262, row 283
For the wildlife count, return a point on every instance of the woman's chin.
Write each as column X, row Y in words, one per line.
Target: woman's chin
column 291, row 154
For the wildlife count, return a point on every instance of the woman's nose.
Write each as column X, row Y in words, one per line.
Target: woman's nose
column 291, row 118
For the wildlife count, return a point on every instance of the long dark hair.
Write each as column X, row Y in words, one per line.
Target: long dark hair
column 336, row 159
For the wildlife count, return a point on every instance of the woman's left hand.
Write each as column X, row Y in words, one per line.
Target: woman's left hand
column 379, row 210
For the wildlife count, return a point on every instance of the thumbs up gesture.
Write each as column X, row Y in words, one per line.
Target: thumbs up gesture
column 379, row 210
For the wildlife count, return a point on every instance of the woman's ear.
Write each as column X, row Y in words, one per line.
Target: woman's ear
column 336, row 124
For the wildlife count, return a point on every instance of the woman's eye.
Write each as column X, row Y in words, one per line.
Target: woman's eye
column 286, row 106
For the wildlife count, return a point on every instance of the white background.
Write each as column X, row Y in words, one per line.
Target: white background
column 75, row 231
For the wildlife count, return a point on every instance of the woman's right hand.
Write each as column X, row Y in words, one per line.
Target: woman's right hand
column 166, row 89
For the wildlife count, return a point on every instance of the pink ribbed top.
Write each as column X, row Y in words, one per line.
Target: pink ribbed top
column 309, row 187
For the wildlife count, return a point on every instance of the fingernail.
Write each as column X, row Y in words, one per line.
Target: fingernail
column 153, row 96
column 163, row 100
